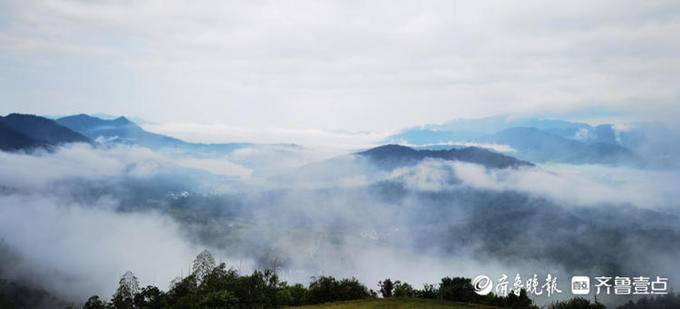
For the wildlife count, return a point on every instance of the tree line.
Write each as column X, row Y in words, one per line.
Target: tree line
column 216, row 286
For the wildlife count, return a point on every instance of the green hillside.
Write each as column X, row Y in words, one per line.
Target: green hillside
column 394, row 303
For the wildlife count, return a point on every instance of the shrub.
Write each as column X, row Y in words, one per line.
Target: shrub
column 428, row 292
column 350, row 289
column 457, row 289
column 576, row 303
column 403, row 289
column 386, row 286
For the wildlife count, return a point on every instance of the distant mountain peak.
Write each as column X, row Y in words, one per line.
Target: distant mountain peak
column 84, row 122
column 393, row 155
column 122, row 120
column 389, row 149
column 20, row 116
column 25, row 131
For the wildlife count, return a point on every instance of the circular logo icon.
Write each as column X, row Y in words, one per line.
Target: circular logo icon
column 482, row 285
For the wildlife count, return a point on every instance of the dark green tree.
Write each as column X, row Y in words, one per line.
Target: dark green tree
column 322, row 290
column 428, row 292
column 94, row 302
column 220, row 278
column 219, row 299
column 577, row 303
column 349, row 289
column 150, row 297
column 403, row 289
column 386, row 286
column 128, row 287
column 294, row 295
column 183, row 291
column 457, row 289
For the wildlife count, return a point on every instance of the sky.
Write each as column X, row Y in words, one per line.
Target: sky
column 339, row 66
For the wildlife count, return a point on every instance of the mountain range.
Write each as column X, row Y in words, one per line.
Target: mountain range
column 533, row 140
column 391, row 156
column 24, row 132
column 122, row 130
column 29, row 132
column 547, row 140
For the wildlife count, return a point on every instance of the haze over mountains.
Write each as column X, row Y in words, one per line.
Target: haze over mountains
column 533, row 140
column 107, row 187
column 391, row 156
column 545, row 140
column 28, row 131
column 122, row 130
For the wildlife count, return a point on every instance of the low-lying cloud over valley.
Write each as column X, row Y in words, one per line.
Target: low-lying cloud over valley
column 79, row 216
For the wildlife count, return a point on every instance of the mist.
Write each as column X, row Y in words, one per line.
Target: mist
column 78, row 217
column 76, row 250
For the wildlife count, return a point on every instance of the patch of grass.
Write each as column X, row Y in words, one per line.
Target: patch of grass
column 394, row 303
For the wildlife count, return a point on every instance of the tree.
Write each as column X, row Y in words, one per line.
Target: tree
column 220, row 278
column 94, row 303
column 428, row 291
column 457, row 289
column 349, row 289
column 671, row 300
column 403, row 289
column 182, row 290
column 523, row 300
column 261, row 289
column 219, row 299
column 128, row 287
column 293, row 295
column 150, row 297
column 579, row 303
column 322, row 290
column 203, row 265
column 386, row 286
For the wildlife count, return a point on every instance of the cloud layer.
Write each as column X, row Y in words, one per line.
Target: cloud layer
column 80, row 216
column 335, row 65
column 79, row 250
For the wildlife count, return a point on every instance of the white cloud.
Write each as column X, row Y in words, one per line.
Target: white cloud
column 39, row 171
column 295, row 217
column 579, row 184
column 215, row 166
column 219, row 133
column 583, row 185
column 336, row 65
column 80, row 250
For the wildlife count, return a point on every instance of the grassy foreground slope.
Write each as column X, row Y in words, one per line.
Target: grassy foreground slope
column 394, row 303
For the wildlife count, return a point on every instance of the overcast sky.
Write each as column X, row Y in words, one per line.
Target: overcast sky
column 339, row 65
